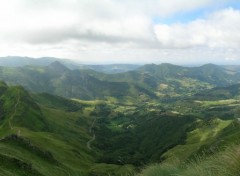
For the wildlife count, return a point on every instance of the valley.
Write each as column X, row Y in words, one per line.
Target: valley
column 56, row 120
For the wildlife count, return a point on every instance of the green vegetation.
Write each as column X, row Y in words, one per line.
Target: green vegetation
column 81, row 122
column 225, row 163
column 145, row 83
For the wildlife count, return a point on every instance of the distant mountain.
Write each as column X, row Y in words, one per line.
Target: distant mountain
column 16, row 61
column 59, row 80
column 172, row 80
column 209, row 73
column 213, row 74
column 148, row 81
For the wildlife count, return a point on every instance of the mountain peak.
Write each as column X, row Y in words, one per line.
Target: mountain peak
column 209, row 65
column 57, row 66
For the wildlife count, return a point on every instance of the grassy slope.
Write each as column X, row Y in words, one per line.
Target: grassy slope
column 202, row 153
column 56, row 144
column 50, row 136
column 210, row 150
column 225, row 163
column 58, row 135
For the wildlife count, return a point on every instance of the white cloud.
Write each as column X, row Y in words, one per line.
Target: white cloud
column 94, row 30
column 105, row 20
column 219, row 30
column 34, row 21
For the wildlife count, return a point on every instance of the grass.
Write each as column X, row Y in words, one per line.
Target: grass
column 205, row 134
column 43, row 132
column 64, row 143
column 112, row 169
column 56, row 148
column 52, row 133
column 226, row 163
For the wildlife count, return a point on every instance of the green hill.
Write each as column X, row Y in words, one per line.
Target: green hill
column 39, row 140
column 212, row 140
column 145, row 83
column 59, row 80
column 43, row 134
column 81, row 122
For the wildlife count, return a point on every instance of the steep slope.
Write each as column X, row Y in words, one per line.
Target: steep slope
column 44, row 134
column 220, row 164
column 20, row 110
column 29, row 138
column 46, row 138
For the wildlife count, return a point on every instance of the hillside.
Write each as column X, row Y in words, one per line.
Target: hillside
column 107, row 125
column 211, row 143
column 219, row 164
column 29, row 139
column 43, row 133
column 168, row 80
column 150, row 81
column 59, row 80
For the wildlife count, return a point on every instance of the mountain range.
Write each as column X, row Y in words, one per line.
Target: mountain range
column 57, row 120
column 16, row 61
column 143, row 83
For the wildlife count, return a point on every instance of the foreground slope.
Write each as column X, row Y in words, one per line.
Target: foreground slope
column 31, row 144
column 44, row 134
column 212, row 146
column 225, row 163
column 47, row 138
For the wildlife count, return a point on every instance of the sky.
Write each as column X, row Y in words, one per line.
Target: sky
column 122, row 31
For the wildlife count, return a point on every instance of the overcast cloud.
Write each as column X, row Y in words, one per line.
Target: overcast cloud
column 113, row 31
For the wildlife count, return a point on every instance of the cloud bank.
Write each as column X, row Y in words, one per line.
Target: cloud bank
column 113, row 31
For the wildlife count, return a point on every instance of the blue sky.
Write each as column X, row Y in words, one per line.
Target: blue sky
column 201, row 12
column 181, row 17
column 126, row 31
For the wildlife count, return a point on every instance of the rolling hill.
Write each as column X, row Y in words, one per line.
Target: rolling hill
column 58, row 79
column 44, row 133
column 81, row 122
column 145, row 83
